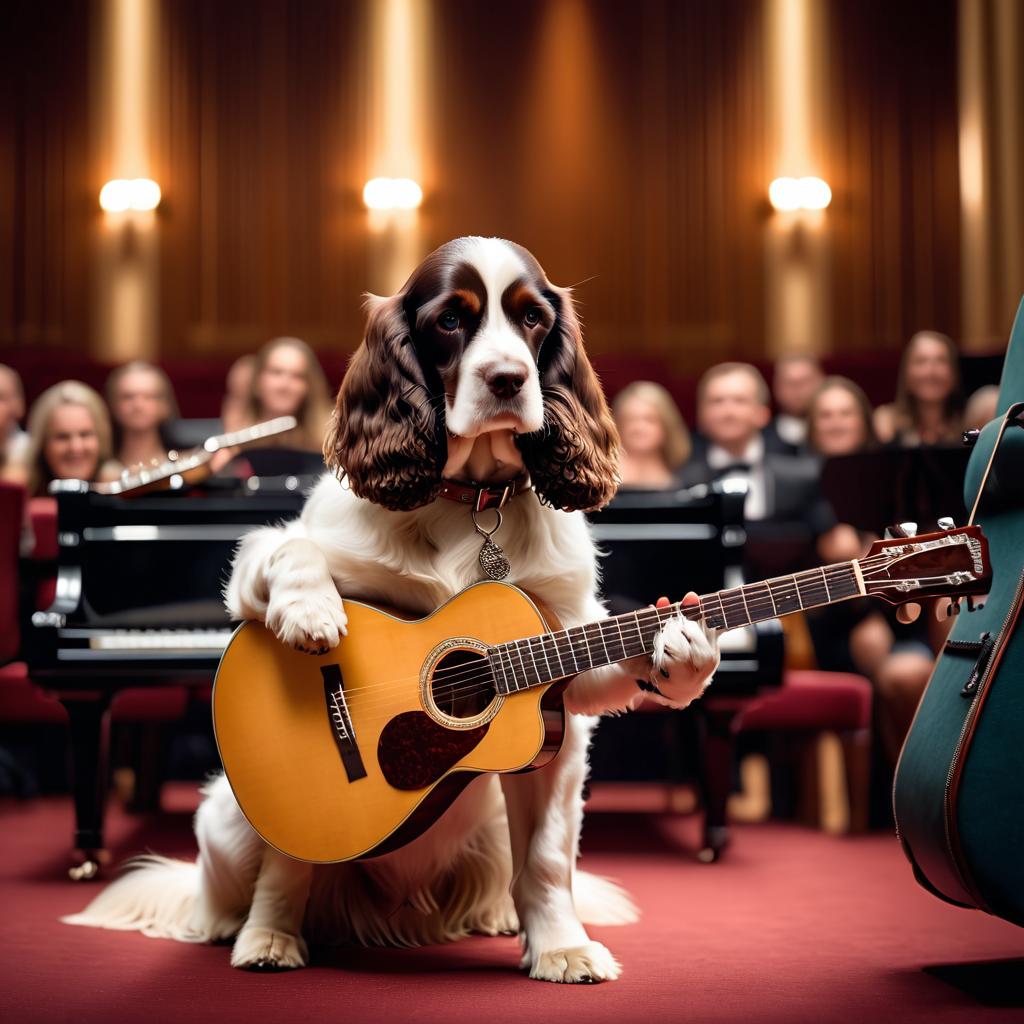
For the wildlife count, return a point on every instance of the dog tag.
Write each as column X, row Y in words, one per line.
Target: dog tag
column 491, row 558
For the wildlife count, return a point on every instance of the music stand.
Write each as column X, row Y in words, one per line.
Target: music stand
column 873, row 490
column 667, row 542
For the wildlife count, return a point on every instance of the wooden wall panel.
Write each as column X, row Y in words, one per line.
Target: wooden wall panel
column 625, row 143
column 47, row 207
column 893, row 162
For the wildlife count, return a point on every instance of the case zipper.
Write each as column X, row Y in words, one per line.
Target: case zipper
column 975, row 694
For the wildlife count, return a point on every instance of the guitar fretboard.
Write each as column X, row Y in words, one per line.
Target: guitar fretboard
column 533, row 661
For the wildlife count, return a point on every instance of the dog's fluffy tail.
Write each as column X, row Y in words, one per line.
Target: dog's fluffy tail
column 156, row 896
column 601, row 901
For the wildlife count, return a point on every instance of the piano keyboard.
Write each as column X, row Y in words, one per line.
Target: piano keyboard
column 207, row 640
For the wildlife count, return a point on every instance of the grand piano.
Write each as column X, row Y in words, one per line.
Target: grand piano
column 138, row 600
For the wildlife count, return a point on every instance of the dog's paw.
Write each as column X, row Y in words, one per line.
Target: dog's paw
column 499, row 919
column 310, row 620
column 263, row 949
column 685, row 658
column 588, row 963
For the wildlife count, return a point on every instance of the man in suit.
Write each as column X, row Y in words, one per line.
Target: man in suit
column 794, row 382
column 784, row 509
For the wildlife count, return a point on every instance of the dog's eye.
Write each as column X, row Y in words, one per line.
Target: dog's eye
column 448, row 320
column 532, row 317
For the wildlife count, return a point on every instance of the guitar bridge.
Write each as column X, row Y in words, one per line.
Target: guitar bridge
column 341, row 723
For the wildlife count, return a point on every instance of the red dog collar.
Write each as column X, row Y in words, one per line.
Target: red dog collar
column 484, row 496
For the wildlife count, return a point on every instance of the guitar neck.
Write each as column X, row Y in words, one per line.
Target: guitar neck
column 537, row 660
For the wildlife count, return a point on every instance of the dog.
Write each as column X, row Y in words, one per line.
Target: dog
column 474, row 371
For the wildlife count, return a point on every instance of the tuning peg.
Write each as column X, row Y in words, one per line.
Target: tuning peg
column 946, row 523
column 970, row 438
column 907, row 613
column 907, row 529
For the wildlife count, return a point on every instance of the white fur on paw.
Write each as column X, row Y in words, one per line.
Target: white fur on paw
column 263, row 949
column 310, row 620
column 592, row 962
column 688, row 652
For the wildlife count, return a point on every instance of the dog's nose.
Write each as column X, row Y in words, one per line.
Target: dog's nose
column 505, row 379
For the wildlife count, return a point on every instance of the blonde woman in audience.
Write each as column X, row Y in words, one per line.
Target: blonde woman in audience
column 237, row 389
column 655, row 441
column 858, row 636
column 141, row 400
column 287, row 380
column 13, row 440
column 929, row 405
column 70, row 436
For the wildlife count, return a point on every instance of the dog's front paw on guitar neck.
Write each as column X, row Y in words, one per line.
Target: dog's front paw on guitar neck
column 312, row 621
column 579, row 964
column 684, row 659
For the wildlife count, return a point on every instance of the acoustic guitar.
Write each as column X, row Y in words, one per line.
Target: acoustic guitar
column 355, row 752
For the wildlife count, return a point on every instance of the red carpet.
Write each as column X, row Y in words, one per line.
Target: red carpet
column 792, row 926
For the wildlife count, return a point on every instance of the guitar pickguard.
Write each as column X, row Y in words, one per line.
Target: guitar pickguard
column 414, row 751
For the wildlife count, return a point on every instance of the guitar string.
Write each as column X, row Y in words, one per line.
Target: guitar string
column 454, row 679
column 483, row 680
column 607, row 628
column 461, row 674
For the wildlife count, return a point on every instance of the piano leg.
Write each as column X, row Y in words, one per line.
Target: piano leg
column 717, row 763
column 89, row 721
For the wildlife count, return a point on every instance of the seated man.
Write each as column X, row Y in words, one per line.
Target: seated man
column 784, row 509
column 794, row 382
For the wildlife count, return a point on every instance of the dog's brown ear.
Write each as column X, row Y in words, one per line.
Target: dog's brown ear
column 386, row 434
column 574, row 458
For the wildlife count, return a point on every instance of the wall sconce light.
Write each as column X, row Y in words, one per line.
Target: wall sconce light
column 123, row 194
column 392, row 194
column 799, row 194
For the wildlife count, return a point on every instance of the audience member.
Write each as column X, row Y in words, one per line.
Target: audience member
column 982, row 407
column 794, row 382
column 655, row 441
column 289, row 381
column 783, row 507
column 237, row 388
column 141, row 399
column 70, row 436
column 929, row 404
column 858, row 636
column 14, row 441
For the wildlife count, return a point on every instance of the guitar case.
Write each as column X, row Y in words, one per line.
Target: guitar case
column 958, row 795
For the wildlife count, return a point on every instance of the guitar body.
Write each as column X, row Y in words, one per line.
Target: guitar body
column 358, row 751
column 957, row 793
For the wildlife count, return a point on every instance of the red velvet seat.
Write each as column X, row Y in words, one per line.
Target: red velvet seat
column 810, row 700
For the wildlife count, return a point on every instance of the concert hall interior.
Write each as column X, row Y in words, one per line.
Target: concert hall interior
column 511, row 492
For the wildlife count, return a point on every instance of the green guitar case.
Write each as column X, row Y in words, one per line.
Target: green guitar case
column 958, row 795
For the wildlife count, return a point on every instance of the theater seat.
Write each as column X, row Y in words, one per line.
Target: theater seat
column 810, row 700
column 810, row 705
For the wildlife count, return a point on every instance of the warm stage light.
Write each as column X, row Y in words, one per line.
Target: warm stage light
column 784, row 194
column 816, row 194
column 392, row 194
column 799, row 194
column 136, row 194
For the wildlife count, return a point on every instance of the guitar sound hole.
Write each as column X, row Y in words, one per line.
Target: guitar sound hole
column 461, row 684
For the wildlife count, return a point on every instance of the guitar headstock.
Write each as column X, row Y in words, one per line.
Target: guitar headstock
column 949, row 563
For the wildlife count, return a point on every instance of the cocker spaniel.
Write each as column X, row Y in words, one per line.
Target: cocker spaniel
column 475, row 372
